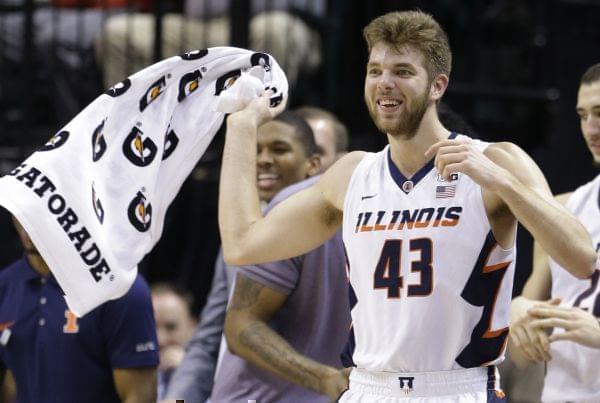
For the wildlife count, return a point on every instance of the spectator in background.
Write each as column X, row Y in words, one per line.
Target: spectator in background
column 174, row 327
column 128, row 41
column 64, row 32
column 193, row 380
column 331, row 135
column 108, row 355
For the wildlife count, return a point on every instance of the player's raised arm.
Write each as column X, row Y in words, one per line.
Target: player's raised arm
column 295, row 226
column 507, row 171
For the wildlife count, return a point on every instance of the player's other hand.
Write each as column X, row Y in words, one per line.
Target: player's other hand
column 453, row 156
column 335, row 382
column 259, row 110
column 579, row 326
column 533, row 341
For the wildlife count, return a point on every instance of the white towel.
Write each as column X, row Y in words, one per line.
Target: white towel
column 94, row 197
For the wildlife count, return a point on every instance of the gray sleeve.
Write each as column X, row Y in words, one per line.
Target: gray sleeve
column 193, row 379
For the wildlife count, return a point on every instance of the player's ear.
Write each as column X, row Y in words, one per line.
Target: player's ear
column 438, row 87
column 313, row 165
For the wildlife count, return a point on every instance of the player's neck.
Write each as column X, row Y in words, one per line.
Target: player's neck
column 409, row 153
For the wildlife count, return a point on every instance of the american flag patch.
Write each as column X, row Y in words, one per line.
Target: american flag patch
column 445, row 191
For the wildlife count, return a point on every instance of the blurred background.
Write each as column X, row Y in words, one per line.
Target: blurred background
column 516, row 70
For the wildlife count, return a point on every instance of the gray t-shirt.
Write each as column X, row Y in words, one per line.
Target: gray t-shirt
column 314, row 319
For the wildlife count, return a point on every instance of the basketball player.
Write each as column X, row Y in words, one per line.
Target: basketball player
column 428, row 224
column 572, row 365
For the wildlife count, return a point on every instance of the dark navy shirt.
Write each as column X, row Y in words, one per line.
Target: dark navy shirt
column 56, row 357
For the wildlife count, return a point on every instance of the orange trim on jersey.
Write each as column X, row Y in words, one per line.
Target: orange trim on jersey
column 489, row 333
column 494, row 267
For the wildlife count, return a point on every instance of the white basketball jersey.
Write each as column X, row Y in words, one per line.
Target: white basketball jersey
column 430, row 286
column 573, row 374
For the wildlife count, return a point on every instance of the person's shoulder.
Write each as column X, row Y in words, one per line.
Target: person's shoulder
column 13, row 270
column 507, row 154
column 345, row 165
column 290, row 190
column 138, row 293
column 583, row 192
column 502, row 147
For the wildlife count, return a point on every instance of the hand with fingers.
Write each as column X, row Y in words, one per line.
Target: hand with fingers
column 462, row 155
column 533, row 341
column 259, row 110
column 579, row 325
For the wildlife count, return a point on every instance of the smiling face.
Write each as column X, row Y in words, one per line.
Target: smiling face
column 588, row 109
column 281, row 159
column 396, row 89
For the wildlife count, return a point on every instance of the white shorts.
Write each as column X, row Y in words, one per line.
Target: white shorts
column 473, row 385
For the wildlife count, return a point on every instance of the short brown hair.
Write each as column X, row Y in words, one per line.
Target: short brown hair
column 591, row 75
column 417, row 29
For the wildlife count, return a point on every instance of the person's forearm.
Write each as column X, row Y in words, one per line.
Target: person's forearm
column 260, row 345
column 238, row 183
column 557, row 232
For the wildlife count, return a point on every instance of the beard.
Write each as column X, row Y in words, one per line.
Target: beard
column 408, row 122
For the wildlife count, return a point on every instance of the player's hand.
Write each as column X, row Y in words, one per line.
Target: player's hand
column 453, row 156
column 579, row 326
column 335, row 382
column 258, row 110
column 532, row 341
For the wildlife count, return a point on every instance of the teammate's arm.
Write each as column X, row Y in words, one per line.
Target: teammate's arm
column 298, row 224
column 527, row 343
column 506, row 171
column 135, row 385
column 249, row 336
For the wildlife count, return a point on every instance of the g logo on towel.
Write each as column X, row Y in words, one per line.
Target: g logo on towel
column 188, row 84
column 119, row 88
column 194, row 54
column 171, row 141
column 98, row 142
column 261, row 59
column 140, row 213
column 226, row 81
column 98, row 209
column 56, row 141
column 139, row 152
column 152, row 93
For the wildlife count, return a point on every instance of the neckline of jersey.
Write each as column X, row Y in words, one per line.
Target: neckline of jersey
column 399, row 177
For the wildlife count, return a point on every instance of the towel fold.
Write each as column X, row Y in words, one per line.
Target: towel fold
column 94, row 197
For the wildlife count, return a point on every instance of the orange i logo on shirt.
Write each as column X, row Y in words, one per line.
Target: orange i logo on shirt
column 71, row 325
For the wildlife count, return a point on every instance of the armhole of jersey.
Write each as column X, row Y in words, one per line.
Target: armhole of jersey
column 353, row 177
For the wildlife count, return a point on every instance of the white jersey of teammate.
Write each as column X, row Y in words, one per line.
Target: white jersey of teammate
column 430, row 286
column 573, row 371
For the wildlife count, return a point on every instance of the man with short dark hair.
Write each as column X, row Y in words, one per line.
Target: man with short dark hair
column 286, row 154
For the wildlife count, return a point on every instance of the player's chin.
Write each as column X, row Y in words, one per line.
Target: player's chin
column 266, row 194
